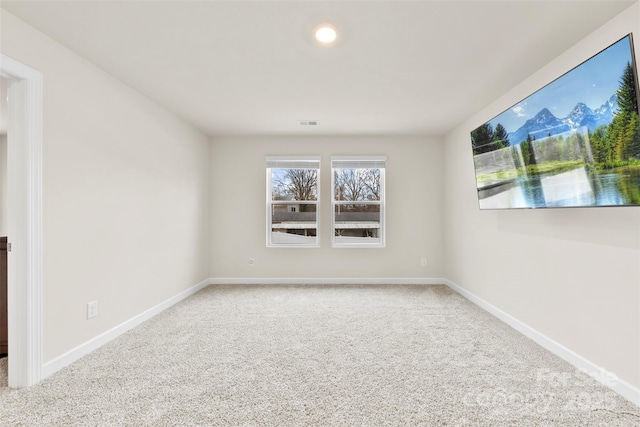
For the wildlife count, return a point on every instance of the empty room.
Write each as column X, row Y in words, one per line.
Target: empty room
column 320, row 213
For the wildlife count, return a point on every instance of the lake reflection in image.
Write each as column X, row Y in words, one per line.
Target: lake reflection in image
column 577, row 187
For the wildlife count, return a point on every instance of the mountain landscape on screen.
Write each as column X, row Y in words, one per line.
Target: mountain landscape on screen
column 545, row 123
column 575, row 142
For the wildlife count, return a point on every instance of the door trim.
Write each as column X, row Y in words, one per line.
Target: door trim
column 25, row 268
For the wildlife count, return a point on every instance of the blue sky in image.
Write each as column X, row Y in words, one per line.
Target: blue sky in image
column 592, row 83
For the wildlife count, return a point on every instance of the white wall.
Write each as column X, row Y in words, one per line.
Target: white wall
column 3, row 156
column 126, row 195
column 572, row 274
column 3, row 185
column 413, row 210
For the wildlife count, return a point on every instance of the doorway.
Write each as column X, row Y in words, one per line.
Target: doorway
column 24, row 221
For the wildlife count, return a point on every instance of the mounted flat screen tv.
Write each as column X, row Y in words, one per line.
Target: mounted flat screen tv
column 573, row 143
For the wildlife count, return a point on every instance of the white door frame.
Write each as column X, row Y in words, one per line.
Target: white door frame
column 24, row 155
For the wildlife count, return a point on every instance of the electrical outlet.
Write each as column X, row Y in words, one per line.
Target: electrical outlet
column 92, row 309
column 252, row 262
column 423, row 262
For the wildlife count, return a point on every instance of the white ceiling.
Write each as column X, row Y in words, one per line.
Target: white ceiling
column 251, row 67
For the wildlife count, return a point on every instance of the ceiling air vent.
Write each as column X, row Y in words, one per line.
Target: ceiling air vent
column 308, row 122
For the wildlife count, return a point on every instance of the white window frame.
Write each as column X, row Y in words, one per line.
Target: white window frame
column 355, row 162
column 292, row 162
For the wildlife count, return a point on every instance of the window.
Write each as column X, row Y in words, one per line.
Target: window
column 293, row 189
column 358, row 201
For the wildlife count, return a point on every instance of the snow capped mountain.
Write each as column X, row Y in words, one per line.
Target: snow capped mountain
column 538, row 127
column 543, row 117
column 579, row 115
column 606, row 110
column 545, row 123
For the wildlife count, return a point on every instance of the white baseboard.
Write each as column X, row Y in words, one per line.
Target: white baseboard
column 327, row 281
column 95, row 343
column 598, row 373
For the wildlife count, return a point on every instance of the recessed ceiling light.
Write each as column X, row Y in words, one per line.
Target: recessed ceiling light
column 326, row 33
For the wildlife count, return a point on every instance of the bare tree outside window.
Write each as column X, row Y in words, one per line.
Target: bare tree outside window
column 292, row 201
column 357, row 184
column 295, row 184
column 358, row 202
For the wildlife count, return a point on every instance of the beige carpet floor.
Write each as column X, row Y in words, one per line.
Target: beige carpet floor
column 4, row 367
column 319, row 356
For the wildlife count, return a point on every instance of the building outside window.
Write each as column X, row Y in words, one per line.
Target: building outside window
column 293, row 197
column 358, row 201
